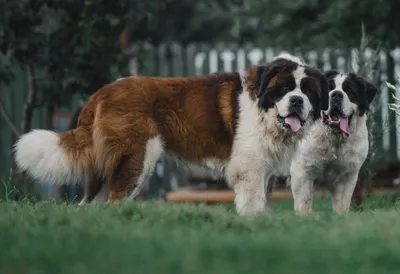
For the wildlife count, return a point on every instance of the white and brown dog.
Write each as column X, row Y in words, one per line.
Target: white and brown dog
column 245, row 126
column 336, row 146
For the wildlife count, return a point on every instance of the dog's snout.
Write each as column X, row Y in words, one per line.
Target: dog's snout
column 337, row 95
column 296, row 101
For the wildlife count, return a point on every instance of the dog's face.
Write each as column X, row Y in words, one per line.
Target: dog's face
column 298, row 92
column 349, row 95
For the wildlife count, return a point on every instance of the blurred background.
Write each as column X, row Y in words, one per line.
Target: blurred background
column 55, row 53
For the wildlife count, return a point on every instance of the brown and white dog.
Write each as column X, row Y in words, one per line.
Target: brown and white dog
column 243, row 125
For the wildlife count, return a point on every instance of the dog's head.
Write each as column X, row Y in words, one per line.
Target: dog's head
column 297, row 91
column 349, row 95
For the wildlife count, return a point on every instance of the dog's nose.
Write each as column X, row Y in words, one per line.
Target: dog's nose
column 337, row 95
column 296, row 101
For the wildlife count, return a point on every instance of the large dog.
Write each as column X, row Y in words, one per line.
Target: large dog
column 336, row 146
column 244, row 125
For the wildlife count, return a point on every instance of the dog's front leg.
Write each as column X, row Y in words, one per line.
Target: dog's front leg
column 342, row 190
column 302, row 183
column 249, row 190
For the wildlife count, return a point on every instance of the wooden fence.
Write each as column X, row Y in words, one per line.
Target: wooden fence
column 176, row 60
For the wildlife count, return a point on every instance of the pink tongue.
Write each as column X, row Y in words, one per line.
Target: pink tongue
column 344, row 126
column 294, row 123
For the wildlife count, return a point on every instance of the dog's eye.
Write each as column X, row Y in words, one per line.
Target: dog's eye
column 286, row 87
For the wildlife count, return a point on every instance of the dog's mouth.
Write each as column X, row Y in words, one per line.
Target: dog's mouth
column 338, row 120
column 291, row 122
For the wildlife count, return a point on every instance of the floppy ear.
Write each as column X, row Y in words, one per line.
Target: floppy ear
column 264, row 75
column 366, row 91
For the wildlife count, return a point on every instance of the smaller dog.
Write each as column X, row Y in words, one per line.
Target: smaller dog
column 336, row 146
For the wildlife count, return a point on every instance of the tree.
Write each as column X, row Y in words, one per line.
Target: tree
column 201, row 21
column 73, row 42
column 318, row 23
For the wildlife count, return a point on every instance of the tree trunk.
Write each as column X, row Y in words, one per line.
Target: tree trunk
column 49, row 117
column 30, row 103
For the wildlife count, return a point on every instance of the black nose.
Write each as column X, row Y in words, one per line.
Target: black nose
column 296, row 101
column 337, row 95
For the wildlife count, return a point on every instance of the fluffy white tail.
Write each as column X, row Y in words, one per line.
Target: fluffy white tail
column 39, row 154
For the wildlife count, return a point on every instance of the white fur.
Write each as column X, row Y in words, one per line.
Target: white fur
column 100, row 197
column 38, row 152
column 154, row 150
column 257, row 154
column 329, row 157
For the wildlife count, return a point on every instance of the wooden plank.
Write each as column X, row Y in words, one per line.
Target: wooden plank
column 222, row 196
column 188, row 195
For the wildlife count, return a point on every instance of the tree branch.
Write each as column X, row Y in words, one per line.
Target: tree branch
column 8, row 121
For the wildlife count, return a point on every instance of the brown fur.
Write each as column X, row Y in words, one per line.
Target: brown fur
column 250, row 82
column 196, row 118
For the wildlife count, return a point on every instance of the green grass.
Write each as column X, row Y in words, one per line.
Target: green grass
column 50, row 237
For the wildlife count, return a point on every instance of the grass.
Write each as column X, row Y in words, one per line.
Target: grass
column 144, row 237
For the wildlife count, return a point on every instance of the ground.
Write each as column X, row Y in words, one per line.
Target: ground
column 149, row 237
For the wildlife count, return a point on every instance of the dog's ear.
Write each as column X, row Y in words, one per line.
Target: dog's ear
column 264, row 75
column 370, row 92
column 366, row 92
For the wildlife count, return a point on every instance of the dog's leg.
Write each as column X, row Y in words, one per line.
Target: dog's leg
column 91, row 189
column 132, row 172
column 249, row 190
column 101, row 197
column 302, row 183
column 342, row 190
column 247, row 176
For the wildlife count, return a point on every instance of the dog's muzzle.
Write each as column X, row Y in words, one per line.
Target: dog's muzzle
column 335, row 117
column 293, row 120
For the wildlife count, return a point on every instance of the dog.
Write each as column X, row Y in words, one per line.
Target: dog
column 336, row 146
column 245, row 125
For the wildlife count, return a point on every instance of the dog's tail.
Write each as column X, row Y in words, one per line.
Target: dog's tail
column 64, row 158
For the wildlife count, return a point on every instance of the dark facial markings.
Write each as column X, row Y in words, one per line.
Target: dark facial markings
column 351, row 90
column 332, row 84
column 348, row 87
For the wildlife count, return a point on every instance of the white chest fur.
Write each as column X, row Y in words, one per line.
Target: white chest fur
column 259, row 142
column 327, row 157
column 322, row 148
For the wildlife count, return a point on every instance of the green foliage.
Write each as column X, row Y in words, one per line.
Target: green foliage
column 201, row 21
column 367, row 68
column 17, row 188
column 73, row 42
column 50, row 237
column 396, row 108
column 319, row 23
column 396, row 105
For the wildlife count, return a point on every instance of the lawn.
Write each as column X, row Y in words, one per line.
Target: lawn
column 149, row 237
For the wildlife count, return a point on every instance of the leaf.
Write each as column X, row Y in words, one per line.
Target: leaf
column 390, row 86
